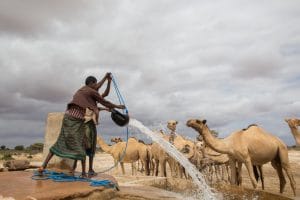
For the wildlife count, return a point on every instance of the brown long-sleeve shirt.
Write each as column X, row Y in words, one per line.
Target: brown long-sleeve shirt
column 87, row 97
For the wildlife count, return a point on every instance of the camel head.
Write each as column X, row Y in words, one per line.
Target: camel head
column 199, row 145
column 172, row 125
column 116, row 139
column 196, row 124
column 187, row 150
column 293, row 122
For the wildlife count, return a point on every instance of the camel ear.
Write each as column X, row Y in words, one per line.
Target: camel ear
column 204, row 121
column 286, row 119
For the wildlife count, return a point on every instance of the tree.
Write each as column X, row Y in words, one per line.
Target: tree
column 19, row 148
column 36, row 146
column 3, row 147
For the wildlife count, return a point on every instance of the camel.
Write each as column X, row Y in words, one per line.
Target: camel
column 253, row 146
column 161, row 158
column 205, row 158
column 116, row 139
column 293, row 124
column 134, row 152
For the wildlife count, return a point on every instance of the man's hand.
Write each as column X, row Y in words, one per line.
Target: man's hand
column 108, row 76
column 121, row 106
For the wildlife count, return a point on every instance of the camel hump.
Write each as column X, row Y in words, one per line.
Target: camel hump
column 249, row 126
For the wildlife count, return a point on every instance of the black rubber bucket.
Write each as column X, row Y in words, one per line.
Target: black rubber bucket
column 119, row 118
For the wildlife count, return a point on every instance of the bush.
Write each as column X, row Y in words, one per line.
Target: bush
column 7, row 156
column 36, row 147
column 3, row 147
column 19, row 148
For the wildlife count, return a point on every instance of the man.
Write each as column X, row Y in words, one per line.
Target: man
column 77, row 139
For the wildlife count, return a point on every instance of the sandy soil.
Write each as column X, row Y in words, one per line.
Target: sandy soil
column 272, row 180
column 104, row 161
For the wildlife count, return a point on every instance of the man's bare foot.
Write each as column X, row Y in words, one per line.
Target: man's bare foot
column 92, row 173
column 83, row 175
column 40, row 170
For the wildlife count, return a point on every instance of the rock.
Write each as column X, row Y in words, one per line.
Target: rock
column 14, row 165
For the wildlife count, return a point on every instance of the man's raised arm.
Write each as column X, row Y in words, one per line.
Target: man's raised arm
column 100, row 83
column 106, row 92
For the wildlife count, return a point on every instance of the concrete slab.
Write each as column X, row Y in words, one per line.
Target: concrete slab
column 19, row 185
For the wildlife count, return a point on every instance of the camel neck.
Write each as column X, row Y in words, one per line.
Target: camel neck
column 296, row 134
column 219, row 145
column 103, row 145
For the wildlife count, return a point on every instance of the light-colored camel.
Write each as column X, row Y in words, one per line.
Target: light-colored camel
column 253, row 146
column 293, row 124
column 116, row 139
column 206, row 158
column 134, row 152
column 161, row 158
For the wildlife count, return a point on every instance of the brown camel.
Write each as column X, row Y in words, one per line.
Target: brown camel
column 134, row 152
column 293, row 124
column 253, row 146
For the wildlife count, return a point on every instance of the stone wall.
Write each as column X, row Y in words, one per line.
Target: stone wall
column 52, row 130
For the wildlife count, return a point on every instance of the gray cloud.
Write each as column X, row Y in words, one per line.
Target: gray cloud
column 172, row 60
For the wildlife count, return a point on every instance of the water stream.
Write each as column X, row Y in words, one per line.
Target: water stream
column 205, row 191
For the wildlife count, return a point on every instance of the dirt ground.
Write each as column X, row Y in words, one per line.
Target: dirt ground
column 272, row 180
column 104, row 161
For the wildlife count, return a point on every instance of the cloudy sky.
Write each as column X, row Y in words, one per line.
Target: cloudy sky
column 231, row 62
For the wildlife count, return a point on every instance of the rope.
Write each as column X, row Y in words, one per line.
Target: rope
column 61, row 177
column 122, row 102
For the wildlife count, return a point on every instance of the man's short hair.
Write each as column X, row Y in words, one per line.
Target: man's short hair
column 90, row 79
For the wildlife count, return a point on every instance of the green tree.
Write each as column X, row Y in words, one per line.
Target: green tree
column 3, row 147
column 19, row 148
column 36, row 147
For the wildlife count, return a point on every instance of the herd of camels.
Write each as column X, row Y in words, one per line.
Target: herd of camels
column 252, row 147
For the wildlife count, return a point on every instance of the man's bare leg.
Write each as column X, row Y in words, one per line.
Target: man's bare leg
column 91, row 171
column 83, row 174
column 45, row 163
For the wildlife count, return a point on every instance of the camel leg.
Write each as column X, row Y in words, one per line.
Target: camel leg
column 122, row 166
column 151, row 167
column 233, row 171
column 249, row 167
column 284, row 160
column 217, row 170
column 133, row 168
column 117, row 166
column 163, row 168
column 261, row 177
column 290, row 176
column 223, row 172
column 227, row 170
column 211, row 171
column 240, row 173
column 282, row 180
column 156, row 167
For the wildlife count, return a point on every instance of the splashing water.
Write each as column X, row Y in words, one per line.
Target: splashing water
column 206, row 191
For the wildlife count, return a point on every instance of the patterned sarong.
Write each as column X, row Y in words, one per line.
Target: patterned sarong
column 91, row 137
column 70, row 142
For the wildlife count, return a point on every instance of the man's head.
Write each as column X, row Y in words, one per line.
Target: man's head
column 90, row 81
